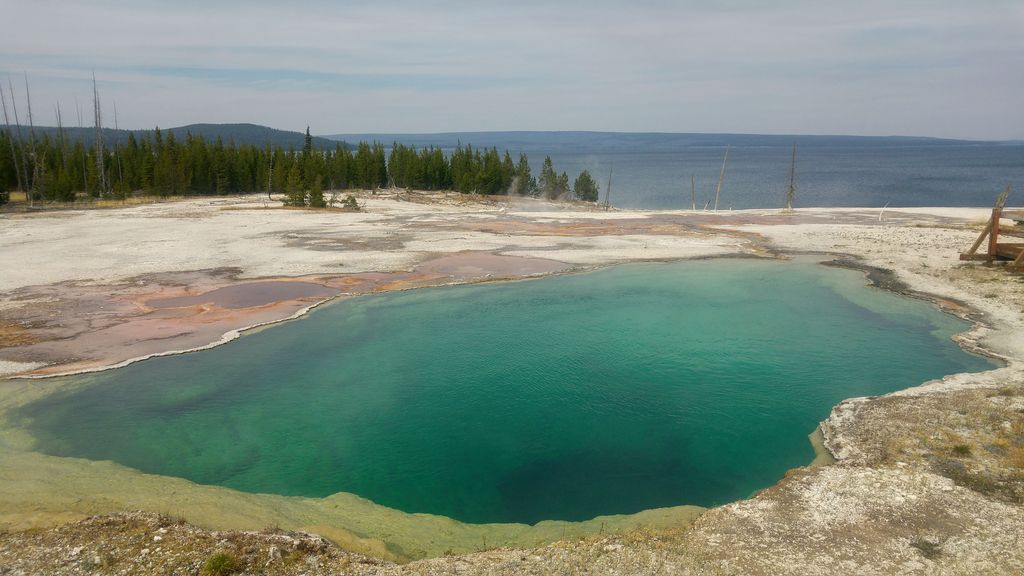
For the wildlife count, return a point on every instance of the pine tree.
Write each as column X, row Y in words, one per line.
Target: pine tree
column 465, row 166
column 350, row 204
column 158, row 162
column 585, row 188
column 552, row 184
column 279, row 175
column 379, row 169
column 561, row 185
column 295, row 194
column 316, row 193
column 524, row 181
column 8, row 174
column 341, row 168
column 491, row 177
column 307, row 146
column 364, row 166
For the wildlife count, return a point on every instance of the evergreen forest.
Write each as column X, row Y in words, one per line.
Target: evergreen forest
column 55, row 168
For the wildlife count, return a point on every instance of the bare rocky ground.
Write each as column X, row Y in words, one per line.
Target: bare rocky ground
column 141, row 543
column 927, row 481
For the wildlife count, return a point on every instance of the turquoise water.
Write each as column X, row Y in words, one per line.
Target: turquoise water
column 628, row 388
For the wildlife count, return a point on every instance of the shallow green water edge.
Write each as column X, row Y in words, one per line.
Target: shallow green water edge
column 43, row 485
column 42, row 490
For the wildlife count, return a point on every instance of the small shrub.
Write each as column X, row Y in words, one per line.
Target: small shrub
column 962, row 450
column 222, row 564
column 980, row 483
column 930, row 550
column 1017, row 457
column 293, row 558
column 349, row 203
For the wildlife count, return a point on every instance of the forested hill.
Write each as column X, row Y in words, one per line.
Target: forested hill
column 252, row 134
column 557, row 142
column 239, row 134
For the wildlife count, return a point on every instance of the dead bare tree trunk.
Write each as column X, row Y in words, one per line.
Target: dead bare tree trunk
column 608, row 190
column 721, row 176
column 25, row 184
column 101, row 173
column 270, row 173
column 117, row 156
column 693, row 193
column 10, row 139
column 791, row 192
column 85, row 158
column 63, row 140
column 38, row 165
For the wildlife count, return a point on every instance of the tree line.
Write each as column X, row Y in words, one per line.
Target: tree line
column 52, row 168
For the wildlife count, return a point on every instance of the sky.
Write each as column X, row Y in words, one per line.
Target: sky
column 894, row 67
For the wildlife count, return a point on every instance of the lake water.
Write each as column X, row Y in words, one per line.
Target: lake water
column 758, row 177
column 628, row 388
column 653, row 170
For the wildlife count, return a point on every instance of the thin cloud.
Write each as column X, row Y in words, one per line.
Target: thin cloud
column 924, row 68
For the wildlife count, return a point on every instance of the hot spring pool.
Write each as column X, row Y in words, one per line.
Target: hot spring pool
column 628, row 388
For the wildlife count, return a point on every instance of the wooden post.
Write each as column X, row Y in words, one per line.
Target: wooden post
column 1018, row 262
column 971, row 254
column 993, row 236
column 991, row 231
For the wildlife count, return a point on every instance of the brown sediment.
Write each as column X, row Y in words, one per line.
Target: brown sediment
column 14, row 334
column 880, row 277
column 485, row 264
column 652, row 224
column 822, row 457
column 888, row 280
column 88, row 327
column 247, row 295
column 76, row 327
column 640, row 225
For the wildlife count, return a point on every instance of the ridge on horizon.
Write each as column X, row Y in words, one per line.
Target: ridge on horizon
column 251, row 133
column 649, row 141
column 238, row 133
column 666, row 134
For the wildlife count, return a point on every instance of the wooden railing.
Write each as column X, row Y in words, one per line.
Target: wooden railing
column 1001, row 251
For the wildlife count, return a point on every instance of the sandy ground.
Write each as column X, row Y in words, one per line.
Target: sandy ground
column 927, row 481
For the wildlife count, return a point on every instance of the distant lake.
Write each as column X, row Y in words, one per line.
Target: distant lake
column 653, row 170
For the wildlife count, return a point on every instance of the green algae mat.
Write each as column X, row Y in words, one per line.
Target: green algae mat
column 624, row 389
